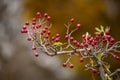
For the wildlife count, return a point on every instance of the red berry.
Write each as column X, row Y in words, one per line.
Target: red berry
column 34, row 20
column 78, row 26
column 89, row 36
column 24, row 27
column 71, row 66
column 88, row 50
column 25, row 31
column 86, row 44
column 83, row 36
column 81, row 44
column 117, row 58
column 33, row 48
column 104, row 40
column 102, row 33
column 71, row 38
column 81, row 59
column 38, row 14
column 57, row 39
column 75, row 42
column 72, row 20
column 53, row 38
column 57, row 35
column 45, row 15
column 44, row 30
column 115, row 52
column 36, row 54
column 66, row 37
column 46, row 27
column 91, row 39
column 49, row 32
column 48, row 18
column 38, row 26
column 33, row 26
column 78, row 44
column 112, row 40
column 64, row 64
column 22, row 31
column 27, row 23
column 47, row 36
column 108, row 37
column 107, row 33
column 94, row 71
column 29, row 38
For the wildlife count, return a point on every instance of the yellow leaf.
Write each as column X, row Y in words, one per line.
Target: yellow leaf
column 99, row 55
column 57, row 44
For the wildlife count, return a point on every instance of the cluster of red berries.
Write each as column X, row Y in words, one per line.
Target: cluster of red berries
column 115, row 55
column 56, row 38
column 71, row 65
column 36, row 28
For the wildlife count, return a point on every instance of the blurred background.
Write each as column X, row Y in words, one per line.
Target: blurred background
column 16, row 57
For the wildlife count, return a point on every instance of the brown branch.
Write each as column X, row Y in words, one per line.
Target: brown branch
column 115, row 72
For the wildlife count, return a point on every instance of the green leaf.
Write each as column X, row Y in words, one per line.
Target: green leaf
column 57, row 44
column 97, row 29
column 99, row 55
column 102, row 28
column 107, row 66
column 107, row 29
column 107, row 77
column 92, row 62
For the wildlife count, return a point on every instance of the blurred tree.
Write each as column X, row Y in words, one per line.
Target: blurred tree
column 90, row 13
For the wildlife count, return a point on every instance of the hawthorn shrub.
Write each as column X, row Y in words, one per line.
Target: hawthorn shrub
column 94, row 48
